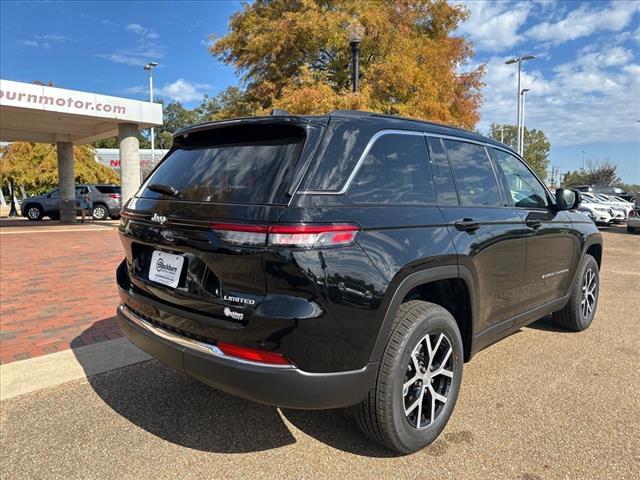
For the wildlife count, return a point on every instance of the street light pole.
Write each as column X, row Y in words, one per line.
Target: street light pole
column 519, row 61
column 521, row 136
column 583, row 164
column 149, row 67
column 355, row 37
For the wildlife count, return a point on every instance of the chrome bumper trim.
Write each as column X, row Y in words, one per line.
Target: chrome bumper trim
column 187, row 342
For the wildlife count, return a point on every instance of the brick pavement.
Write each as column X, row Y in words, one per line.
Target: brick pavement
column 57, row 291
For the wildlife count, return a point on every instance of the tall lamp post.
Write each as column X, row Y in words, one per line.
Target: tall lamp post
column 519, row 61
column 149, row 68
column 521, row 136
column 356, row 31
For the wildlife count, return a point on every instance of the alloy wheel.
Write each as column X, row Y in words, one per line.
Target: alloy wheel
column 100, row 213
column 588, row 302
column 428, row 380
column 33, row 213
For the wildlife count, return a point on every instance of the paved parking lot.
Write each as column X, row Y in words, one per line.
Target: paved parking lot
column 58, row 289
column 543, row 403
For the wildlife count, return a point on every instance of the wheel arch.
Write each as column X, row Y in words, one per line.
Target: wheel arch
column 440, row 285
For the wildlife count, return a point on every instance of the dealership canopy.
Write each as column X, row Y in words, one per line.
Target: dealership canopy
column 43, row 114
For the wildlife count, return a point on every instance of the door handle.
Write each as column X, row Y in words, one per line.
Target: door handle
column 533, row 223
column 467, row 225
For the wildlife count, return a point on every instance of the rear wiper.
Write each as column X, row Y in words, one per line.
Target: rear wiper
column 166, row 189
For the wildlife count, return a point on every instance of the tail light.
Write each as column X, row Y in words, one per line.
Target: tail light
column 252, row 354
column 299, row 236
column 115, row 195
column 633, row 213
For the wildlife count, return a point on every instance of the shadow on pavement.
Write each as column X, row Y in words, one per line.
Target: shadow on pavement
column 176, row 407
column 548, row 325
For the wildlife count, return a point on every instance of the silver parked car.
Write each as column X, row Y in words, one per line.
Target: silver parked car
column 105, row 199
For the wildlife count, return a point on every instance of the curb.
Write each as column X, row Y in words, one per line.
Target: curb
column 31, row 375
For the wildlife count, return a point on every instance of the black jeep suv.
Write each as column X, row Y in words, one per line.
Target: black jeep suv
column 352, row 259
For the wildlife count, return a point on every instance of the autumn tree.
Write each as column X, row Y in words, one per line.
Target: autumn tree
column 35, row 166
column 597, row 173
column 536, row 145
column 295, row 55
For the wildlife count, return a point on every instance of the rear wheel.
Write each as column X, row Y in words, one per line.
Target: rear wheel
column 578, row 314
column 34, row 212
column 418, row 380
column 100, row 212
column 631, row 229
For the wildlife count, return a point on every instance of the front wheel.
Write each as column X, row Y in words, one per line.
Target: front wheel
column 418, row 380
column 34, row 212
column 578, row 314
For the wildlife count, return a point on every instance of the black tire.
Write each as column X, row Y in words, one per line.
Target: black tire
column 381, row 416
column 631, row 229
column 575, row 316
column 100, row 212
column 33, row 212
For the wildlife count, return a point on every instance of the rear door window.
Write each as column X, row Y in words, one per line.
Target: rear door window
column 473, row 173
column 107, row 188
column 246, row 164
column 445, row 188
column 394, row 171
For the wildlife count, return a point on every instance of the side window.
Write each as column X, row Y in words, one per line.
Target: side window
column 81, row 190
column 523, row 187
column 477, row 185
column 445, row 189
column 55, row 193
column 395, row 171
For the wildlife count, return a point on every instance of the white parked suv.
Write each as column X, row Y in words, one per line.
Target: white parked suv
column 619, row 212
column 599, row 213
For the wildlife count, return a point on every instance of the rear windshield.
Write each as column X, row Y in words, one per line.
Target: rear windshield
column 246, row 164
column 107, row 189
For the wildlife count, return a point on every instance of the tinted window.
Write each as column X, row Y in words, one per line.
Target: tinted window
column 445, row 189
column 342, row 145
column 473, row 174
column 394, row 171
column 82, row 190
column 245, row 165
column 522, row 186
column 107, row 189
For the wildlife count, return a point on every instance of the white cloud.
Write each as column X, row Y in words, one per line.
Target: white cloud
column 145, row 51
column 493, row 26
column 44, row 41
column 584, row 21
column 36, row 44
column 134, row 57
column 141, row 31
column 183, row 91
column 589, row 99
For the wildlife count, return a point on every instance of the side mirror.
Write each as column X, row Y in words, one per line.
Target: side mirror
column 567, row 199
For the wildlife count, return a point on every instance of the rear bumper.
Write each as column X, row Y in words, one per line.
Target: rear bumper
column 282, row 386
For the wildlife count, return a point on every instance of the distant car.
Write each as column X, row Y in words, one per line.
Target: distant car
column 618, row 211
column 106, row 201
column 601, row 214
column 633, row 222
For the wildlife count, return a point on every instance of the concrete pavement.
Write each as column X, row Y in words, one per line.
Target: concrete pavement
column 543, row 403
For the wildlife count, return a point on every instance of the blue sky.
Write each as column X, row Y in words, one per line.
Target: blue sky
column 585, row 82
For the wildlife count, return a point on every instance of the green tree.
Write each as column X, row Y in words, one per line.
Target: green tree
column 295, row 55
column 536, row 145
column 35, row 166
